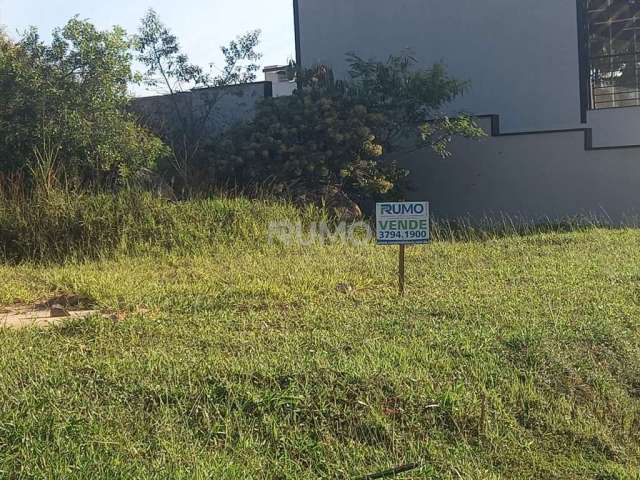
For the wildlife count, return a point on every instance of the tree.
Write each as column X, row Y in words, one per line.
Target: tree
column 67, row 102
column 4, row 38
column 169, row 69
column 409, row 101
column 346, row 135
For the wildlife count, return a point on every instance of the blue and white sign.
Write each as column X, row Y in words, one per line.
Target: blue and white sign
column 405, row 223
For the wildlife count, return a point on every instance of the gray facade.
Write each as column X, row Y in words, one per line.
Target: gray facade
column 536, row 176
column 210, row 110
column 525, row 61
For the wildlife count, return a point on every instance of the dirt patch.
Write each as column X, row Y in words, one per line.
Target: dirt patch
column 47, row 312
column 27, row 316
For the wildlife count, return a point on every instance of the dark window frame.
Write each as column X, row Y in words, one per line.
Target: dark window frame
column 610, row 77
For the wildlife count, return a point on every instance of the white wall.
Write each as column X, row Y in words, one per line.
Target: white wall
column 282, row 87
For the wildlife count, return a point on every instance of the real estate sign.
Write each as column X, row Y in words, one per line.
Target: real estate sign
column 405, row 223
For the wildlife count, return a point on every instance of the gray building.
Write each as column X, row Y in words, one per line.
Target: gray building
column 211, row 110
column 556, row 84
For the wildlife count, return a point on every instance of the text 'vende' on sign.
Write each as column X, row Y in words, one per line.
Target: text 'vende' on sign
column 404, row 223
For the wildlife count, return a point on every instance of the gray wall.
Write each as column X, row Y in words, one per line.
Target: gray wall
column 522, row 59
column 231, row 105
column 531, row 177
column 521, row 56
column 615, row 126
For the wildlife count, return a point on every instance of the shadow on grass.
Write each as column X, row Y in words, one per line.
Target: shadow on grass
column 504, row 226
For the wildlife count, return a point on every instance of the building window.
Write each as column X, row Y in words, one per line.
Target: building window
column 613, row 32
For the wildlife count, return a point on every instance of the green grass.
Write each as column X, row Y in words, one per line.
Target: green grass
column 73, row 224
column 515, row 357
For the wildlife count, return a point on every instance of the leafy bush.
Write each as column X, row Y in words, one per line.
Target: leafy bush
column 72, row 95
column 345, row 135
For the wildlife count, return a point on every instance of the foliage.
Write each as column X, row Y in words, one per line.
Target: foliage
column 53, row 221
column 72, row 95
column 346, row 134
column 187, row 129
column 515, row 358
column 4, row 38
column 304, row 142
column 168, row 67
column 408, row 102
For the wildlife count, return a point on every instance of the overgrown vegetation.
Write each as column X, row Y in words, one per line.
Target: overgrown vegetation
column 513, row 357
column 190, row 126
column 219, row 354
column 64, row 106
column 54, row 223
column 345, row 135
column 66, row 102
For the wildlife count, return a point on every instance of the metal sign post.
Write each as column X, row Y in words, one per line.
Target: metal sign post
column 405, row 223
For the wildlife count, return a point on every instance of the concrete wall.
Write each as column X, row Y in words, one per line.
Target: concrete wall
column 531, row 177
column 163, row 113
column 521, row 56
column 615, row 126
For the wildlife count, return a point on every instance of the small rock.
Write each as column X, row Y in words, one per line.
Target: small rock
column 57, row 311
column 341, row 205
column 344, row 288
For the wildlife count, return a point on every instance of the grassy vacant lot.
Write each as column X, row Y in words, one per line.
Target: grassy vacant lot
column 511, row 357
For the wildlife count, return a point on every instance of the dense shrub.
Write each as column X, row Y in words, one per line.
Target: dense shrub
column 66, row 101
column 300, row 143
column 345, row 135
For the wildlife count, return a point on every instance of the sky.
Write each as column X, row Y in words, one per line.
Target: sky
column 202, row 26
